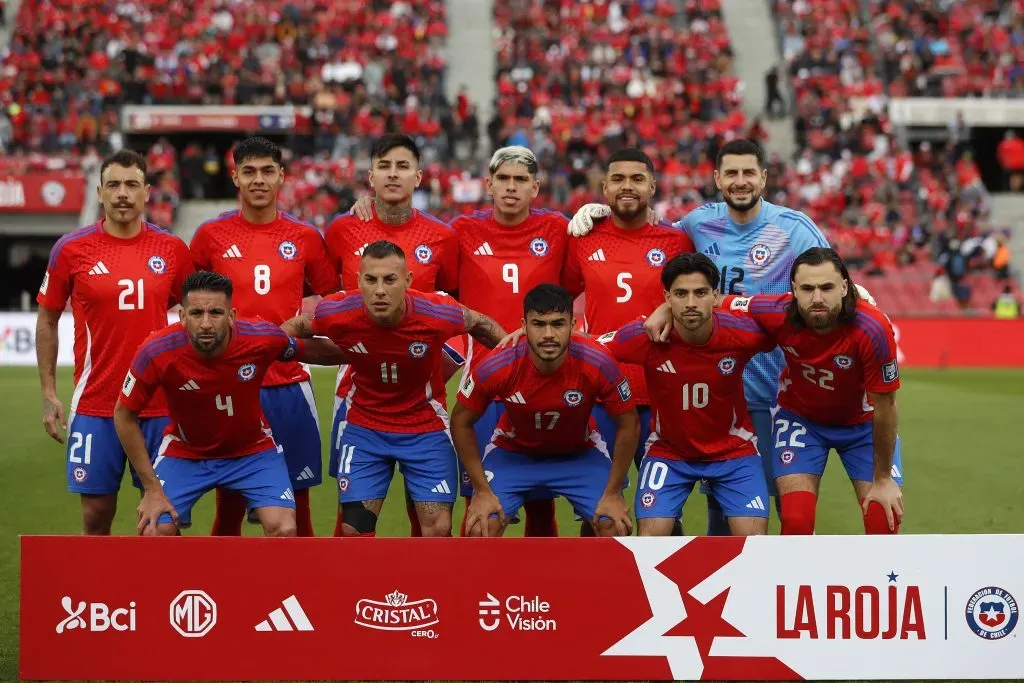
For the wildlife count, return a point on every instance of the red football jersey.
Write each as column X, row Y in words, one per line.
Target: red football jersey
column 397, row 384
column 620, row 271
column 699, row 410
column 828, row 376
column 270, row 265
column 120, row 291
column 499, row 264
column 548, row 413
column 214, row 402
column 431, row 252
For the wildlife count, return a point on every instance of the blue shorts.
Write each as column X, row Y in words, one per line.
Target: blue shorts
column 606, row 425
column 261, row 477
column 368, row 458
column 802, row 446
column 762, row 420
column 484, row 428
column 517, row 477
column 338, row 424
column 736, row 484
column 95, row 457
column 291, row 414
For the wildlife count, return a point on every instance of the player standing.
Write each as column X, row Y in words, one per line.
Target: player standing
column 211, row 368
column 122, row 274
column 701, row 430
column 619, row 265
column 273, row 259
column 393, row 337
column 838, row 390
column 395, row 174
column 754, row 243
column 546, row 442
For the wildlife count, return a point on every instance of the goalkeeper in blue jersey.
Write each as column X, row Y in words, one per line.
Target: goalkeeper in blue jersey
column 754, row 244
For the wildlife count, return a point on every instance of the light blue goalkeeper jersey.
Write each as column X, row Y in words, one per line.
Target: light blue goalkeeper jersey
column 754, row 258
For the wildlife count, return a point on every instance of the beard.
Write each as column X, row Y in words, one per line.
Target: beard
column 820, row 320
column 755, row 197
column 630, row 214
column 206, row 345
column 548, row 354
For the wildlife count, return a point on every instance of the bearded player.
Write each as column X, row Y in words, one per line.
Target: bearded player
column 211, row 366
column 121, row 274
column 431, row 244
column 618, row 266
column 754, row 243
column 394, row 337
column 546, row 443
column 273, row 259
column 701, row 431
column 838, row 390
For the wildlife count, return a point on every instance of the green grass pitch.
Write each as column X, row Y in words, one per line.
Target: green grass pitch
column 965, row 472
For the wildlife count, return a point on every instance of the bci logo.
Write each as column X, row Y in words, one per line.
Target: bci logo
column 16, row 340
column 95, row 616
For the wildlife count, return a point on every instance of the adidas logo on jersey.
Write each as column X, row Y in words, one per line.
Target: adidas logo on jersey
column 358, row 348
column 713, row 250
column 516, row 398
column 189, row 386
column 442, row 487
column 597, row 256
column 667, row 367
column 484, row 250
column 233, row 252
column 305, row 475
column 277, row 621
column 288, row 495
column 360, row 250
column 756, row 504
column 99, row 269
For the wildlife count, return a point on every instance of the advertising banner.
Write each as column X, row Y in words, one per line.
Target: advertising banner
column 18, row 338
column 210, row 119
column 959, row 342
column 766, row 608
column 42, row 192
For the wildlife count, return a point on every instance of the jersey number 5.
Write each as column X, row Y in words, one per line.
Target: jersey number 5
column 627, row 291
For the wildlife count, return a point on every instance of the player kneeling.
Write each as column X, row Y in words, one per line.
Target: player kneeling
column 546, row 443
column 701, row 430
column 211, row 368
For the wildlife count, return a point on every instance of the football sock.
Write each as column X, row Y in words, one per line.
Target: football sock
column 798, row 511
column 303, row 519
column 230, row 513
column 875, row 521
column 540, row 519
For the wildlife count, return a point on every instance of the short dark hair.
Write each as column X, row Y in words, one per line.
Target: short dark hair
column 547, row 298
column 256, row 147
column 630, row 154
column 127, row 158
column 685, row 264
column 383, row 249
column 206, row 281
column 389, row 142
column 741, row 147
column 816, row 256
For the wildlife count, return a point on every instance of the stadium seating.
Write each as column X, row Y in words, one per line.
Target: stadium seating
column 882, row 204
column 577, row 79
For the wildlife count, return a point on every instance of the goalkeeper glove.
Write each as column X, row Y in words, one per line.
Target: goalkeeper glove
column 863, row 293
column 583, row 221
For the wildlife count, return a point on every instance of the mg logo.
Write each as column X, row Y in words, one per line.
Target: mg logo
column 193, row 613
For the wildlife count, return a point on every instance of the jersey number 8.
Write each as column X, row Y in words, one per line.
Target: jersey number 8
column 261, row 279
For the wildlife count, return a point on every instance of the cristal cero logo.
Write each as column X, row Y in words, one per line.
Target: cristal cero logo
column 396, row 613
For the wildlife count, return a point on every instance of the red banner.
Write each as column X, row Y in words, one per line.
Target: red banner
column 241, row 119
column 43, row 192
column 960, row 342
column 766, row 608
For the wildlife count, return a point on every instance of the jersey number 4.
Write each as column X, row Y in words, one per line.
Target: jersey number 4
column 224, row 403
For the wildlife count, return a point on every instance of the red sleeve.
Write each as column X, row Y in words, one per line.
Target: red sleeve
column 767, row 310
column 56, row 286
column 320, row 272
column 628, row 344
column 333, row 244
column 614, row 391
column 200, row 250
column 185, row 266
column 477, row 396
column 448, row 273
column 877, row 348
column 142, row 379
column 450, row 320
column 572, row 274
column 327, row 314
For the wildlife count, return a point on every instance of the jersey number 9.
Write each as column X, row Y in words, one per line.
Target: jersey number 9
column 510, row 274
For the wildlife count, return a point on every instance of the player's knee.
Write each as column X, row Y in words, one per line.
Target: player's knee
column 167, row 530
column 359, row 519
column 437, row 526
column 876, row 523
column 605, row 527
column 797, row 514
